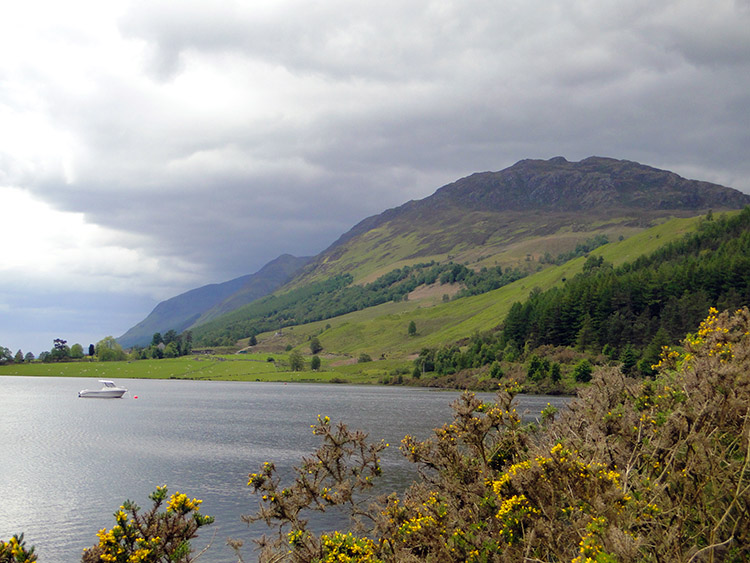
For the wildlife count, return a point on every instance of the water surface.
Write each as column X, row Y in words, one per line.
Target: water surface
column 68, row 463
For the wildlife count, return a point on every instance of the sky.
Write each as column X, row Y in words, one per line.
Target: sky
column 151, row 147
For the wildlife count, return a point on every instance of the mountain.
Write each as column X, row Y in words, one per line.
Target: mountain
column 521, row 219
column 532, row 207
column 204, row 303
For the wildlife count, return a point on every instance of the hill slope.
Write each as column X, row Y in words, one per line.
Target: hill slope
column 382, row 331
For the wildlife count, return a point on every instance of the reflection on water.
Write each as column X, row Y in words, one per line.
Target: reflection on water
column 68, row 463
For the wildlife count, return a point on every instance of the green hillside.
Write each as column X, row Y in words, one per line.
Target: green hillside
column 381, row 331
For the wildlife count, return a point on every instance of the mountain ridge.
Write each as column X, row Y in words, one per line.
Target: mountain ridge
column 594, row 182
column 502, row 217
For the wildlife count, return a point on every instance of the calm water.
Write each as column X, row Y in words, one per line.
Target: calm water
column 66, row 464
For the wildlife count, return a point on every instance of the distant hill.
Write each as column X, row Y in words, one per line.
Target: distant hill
column 192, row 307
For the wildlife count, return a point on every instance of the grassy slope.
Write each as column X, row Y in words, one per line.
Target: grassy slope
column 382, row 331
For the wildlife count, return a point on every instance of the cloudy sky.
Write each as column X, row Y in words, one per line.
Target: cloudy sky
column 150, row 147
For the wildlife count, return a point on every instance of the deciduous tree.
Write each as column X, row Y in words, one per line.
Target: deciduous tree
column 60, row 350
column 157, row 339
column 6, row 356
column 109, row 350
column 315, row 363
column 76, row 351
column 170, row 336
column 296, row 361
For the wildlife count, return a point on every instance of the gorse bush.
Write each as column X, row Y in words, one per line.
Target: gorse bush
column 336, row 475
column 159, row 535
column 15, row 551
column 156, row 536
column 634, row 470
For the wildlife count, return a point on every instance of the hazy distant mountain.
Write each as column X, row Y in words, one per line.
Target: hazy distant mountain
column 184, row 311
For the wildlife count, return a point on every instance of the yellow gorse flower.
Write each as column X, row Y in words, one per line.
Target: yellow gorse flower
column 180, row 502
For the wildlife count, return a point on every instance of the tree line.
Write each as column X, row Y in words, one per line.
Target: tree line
column 645, row 304
column 170, row 345
column 60, row 351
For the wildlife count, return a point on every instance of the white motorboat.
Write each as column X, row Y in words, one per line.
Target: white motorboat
column 108, row 391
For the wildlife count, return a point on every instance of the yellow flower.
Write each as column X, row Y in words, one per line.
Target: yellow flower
column 179, row 502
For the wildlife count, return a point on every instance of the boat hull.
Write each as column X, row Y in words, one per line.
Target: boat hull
column 102, row 393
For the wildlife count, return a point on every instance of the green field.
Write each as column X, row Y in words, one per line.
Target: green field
column 235, row 367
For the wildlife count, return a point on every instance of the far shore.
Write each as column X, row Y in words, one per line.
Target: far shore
column 256, row 367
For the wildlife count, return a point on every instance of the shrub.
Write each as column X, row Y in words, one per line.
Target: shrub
column 154, row 536
column 15, row 551
column 341, row 470
column 412, row 330
column 582, row 371
column 296, row 361
column 496, row 371
column 315, row 363
column 635, row 470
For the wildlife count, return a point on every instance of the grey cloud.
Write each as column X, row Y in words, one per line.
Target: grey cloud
column 402, row 98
